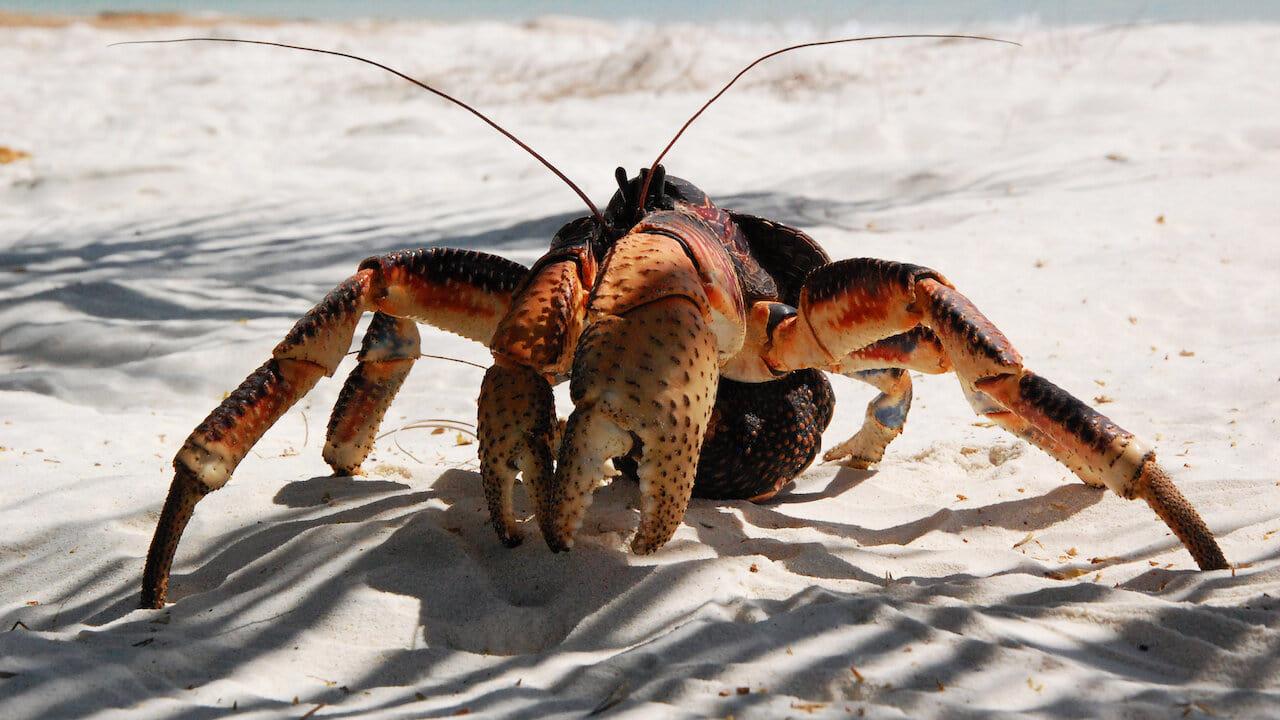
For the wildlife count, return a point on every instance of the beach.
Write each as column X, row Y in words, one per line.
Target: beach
column 1104, row 193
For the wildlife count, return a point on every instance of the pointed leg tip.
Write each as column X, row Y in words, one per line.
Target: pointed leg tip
column 1214, row 563
column 842, row 458
column 1155, row 486
column 558, row 540
column 645, row 545
column 861, row 451
column 851, row 461
column 185, row 491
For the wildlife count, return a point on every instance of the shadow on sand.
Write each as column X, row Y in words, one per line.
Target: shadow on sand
column 527, row 608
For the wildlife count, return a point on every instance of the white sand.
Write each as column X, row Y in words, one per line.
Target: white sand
column 1106, row 195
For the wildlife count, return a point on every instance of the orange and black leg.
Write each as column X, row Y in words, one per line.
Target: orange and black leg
column 390, row 347
column 460, row 291
column 854, row 304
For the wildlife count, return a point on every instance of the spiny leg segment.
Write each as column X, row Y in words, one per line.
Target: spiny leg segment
column 853, row 304
column 390, row 347
column 460, row 291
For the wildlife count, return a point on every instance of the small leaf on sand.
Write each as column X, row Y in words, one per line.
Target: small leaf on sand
column 8, row 155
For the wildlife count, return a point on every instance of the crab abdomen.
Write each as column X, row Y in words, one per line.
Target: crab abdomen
column 762, row 435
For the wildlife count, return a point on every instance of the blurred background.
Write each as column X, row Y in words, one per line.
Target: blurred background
column 818, row 11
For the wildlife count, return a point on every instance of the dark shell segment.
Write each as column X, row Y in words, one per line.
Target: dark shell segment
column 954, row 317
column 787, row 254
column 762, row 435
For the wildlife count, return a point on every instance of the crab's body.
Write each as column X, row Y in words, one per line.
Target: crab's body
column 694, row 340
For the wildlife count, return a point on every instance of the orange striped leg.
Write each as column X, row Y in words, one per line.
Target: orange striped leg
column 986, row 406
column 854, row 303
column 1098, row 450
column 390, row 347
column 460, row 291
column 1103, row 453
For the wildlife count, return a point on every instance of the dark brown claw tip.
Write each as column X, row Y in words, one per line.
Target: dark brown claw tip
column 1167, row 501
column 184, row 493
column 557, row 545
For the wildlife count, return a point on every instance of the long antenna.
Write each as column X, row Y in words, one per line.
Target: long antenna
column 594, row 210
column 644, row 188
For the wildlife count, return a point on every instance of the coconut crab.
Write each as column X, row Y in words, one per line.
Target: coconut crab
column 694, row 339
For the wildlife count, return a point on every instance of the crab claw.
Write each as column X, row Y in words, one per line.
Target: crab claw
column 516, row 425
column 643, row 386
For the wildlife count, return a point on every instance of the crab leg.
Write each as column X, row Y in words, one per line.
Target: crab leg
column 851, row 304
column 884, row 365
column 390, row 347
column 460, row 291
column 516, row 425
column 644, row 382
column 886, row 415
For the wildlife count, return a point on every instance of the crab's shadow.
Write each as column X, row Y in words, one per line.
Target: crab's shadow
column 436, row 546
column 260, row 589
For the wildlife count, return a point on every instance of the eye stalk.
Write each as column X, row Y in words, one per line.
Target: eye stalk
column 627, row 206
